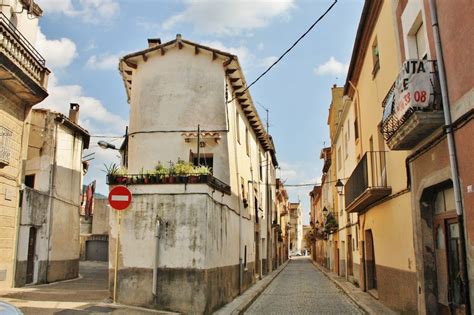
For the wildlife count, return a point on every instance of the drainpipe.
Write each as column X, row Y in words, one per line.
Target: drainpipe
column 155, row 260
column 239, row 196
column 452, row 151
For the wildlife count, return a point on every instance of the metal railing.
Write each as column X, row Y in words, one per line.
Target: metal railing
column 20, row 50
column 371, row 172
column 157, row 179
column 391, row 123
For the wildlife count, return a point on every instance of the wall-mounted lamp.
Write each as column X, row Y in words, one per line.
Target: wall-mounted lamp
column 106, row 145
column 325, row 212
column 340, row 187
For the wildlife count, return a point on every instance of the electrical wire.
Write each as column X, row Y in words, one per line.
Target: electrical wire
column 289, row 49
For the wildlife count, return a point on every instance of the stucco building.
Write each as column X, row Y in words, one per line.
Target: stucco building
column 48, row 240
column 193, row 241
column 23, row 83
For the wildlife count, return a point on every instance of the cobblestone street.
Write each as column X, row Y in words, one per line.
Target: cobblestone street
column 302, row 289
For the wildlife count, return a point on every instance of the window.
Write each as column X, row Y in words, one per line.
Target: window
column 247, row 145
column 375, row 57
column 5, row 136
column 261, row 166
column 339, row 157
column 237, row 125
column 421, row 43
column 356, row 129
column 30, row 181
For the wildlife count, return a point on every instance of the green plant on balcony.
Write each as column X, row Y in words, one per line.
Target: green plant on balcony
column 331, row 225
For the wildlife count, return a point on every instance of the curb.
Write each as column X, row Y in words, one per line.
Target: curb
column 365, row 302
column 251, row 294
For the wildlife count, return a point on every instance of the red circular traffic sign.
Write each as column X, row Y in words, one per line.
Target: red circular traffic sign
column 120, row 198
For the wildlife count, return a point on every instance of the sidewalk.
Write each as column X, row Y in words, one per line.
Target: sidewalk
column 363, row 299
column 242, row 302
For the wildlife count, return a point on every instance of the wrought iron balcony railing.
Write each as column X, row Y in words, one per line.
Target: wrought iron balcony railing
column 159, row 179
column 412, row 107
column 20, row 51
column 367, row 183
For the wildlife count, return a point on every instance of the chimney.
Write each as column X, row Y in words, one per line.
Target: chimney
column 178, row 37
column 74, row 112
column 153, row 42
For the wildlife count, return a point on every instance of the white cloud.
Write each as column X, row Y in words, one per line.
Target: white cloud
column 242, row 52
column 260, row 46
column 332, row 67
column 93, row 115
column 91, row 11
column 229, row 17
column 268, row 61
column 103, row 62
column 59, row 53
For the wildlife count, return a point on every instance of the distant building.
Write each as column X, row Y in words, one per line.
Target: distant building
column 296, row 231
column 48, row 244
column 24, row 79
column 189, row 112
column 283, row 217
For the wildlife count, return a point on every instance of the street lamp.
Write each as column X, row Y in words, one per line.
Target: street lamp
column 325, row 212
column 106, row 145
column 339, row 186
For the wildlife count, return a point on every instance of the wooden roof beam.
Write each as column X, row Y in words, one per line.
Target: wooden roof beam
column 131, row 64
column 228, row 61
column 230, row 71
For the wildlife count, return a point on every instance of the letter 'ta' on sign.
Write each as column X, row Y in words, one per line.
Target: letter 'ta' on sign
column 120, row 198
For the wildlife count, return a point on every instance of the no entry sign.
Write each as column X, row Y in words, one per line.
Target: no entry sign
column 120, row 198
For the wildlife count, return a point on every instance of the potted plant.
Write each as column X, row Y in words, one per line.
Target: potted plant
column 121, row 177
column 160, row 173
column 141, row 177
column 203, row 172
column 182, row 169
column 111, row 170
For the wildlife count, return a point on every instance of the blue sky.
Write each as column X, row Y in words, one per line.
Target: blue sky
column 82, row 41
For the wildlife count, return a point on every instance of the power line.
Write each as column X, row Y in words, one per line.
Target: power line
column 289, row 49
column 100, row 136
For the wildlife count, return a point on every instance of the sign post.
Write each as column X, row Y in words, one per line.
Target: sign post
column 120, row 199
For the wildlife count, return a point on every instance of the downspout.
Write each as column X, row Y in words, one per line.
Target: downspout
column 269, row 215
column 155, row 260
column 239, row 196
column 452, row 152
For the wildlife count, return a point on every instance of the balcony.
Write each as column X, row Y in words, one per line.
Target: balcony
column 367, row 183
column 412, row 108
column 155, row 179
column 22, row 69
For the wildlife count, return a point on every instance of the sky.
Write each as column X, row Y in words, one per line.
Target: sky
column 82, row 41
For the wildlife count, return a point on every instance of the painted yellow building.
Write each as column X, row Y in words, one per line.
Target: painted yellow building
column 376, row 196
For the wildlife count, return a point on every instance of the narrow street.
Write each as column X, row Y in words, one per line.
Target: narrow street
column 302, row 289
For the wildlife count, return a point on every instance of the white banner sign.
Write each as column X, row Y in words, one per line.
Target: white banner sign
column 413, row 88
